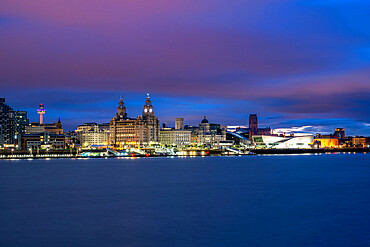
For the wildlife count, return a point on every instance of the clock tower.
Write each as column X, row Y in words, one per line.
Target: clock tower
column 121, row 110
column 148, row 108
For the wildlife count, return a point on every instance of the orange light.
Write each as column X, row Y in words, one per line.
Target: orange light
column 328, row 142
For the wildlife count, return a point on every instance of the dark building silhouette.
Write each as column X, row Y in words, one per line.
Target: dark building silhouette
column 42, row 140
column 339, row 132
column 12, row 123
column 253, row 127
column 253, row 124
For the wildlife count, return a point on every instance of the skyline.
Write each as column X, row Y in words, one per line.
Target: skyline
column 312, row 129
column 294, row 63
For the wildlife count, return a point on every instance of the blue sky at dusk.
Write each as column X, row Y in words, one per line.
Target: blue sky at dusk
column 294, row 63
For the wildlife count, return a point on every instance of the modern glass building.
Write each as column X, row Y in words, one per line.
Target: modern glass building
column 12, row 123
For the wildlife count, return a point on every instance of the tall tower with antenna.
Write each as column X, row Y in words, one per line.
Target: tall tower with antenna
column 41, row 112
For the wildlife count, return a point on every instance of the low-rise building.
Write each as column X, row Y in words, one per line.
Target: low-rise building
column 360, row 141
column 53, row 128
column 208, row 134
column 93, row 134
column 281, row 142
column 325, row 142
column 42, row 140
column 179, row 137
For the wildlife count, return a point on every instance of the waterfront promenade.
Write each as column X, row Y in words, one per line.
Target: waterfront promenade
column 106, row 153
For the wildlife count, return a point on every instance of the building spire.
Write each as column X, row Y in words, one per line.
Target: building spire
column 121, row 109
column 148, row 107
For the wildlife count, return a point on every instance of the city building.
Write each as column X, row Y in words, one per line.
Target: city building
column 253, row 127
column 325, row 142
column 12, row 124
column 238, row 137
column 71, row 139
column 93, row 134
column 179, row 123
column 41, row 135
column 360, row 141
column 143, row 130
column 208, row 134
column 340, row 133
column 1, row 137
column 21, row 122
column 253, row 124
column 42, row 141
column 53, row 128
column 281, row 142
column 178, row 137
column 6, row 123
column 40, row 127
column 248, row 132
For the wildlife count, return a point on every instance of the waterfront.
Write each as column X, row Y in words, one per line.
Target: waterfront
column 260, row 200
column 110, row 153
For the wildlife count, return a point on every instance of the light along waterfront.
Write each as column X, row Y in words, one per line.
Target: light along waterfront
column 268, row 200
column 110, row 153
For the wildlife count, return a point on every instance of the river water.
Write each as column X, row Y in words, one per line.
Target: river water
column 277, row 200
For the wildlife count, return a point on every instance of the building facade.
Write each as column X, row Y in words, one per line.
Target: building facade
column 93, row 134
column 283, row 142
column 178, row 137
column 253, row 124
column 42, row 141
column 253, row 127
column 326, row 142
column 143, row 130
column 208, row 134
column 53, row 128
column 12, row 123
column 340, row 133
column 360, row 141
column 179, row 123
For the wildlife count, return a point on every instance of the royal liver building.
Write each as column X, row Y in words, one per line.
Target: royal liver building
column 143, row 130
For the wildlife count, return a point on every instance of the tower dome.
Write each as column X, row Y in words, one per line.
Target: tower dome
column 148, row 107
column 205, row 120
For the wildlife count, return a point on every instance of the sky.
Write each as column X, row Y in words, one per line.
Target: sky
column 297, row 64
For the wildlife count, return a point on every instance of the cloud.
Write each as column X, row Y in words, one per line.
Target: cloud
column 283, row 59
column 301, row 130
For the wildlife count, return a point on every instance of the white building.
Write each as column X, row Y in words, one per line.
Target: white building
column 179, row 137
column 209, row 134
column 179, row 123
column 296, row 141
column 93, row 134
